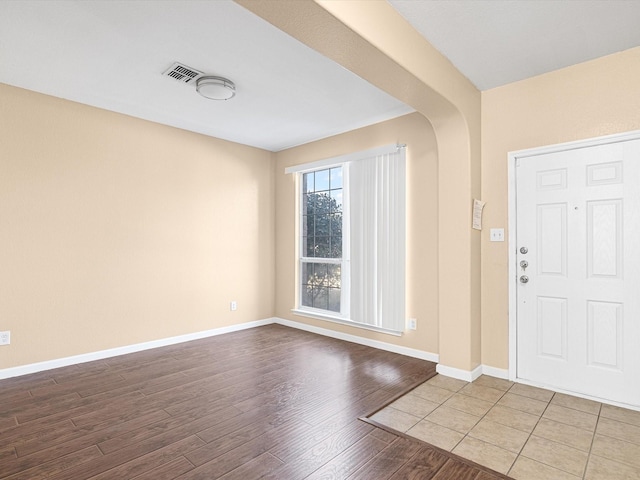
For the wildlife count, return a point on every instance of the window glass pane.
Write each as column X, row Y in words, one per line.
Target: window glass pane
column 335, row 230
column 308, row 222
column 323, row 203
column 321, row 247
column 322, row 180
column 310, row 249
column 334, row 300
column 307, row 277
column 333, row 275
column 307, row 273
column 309, row 203
column 336, row 177
column 335, row 248
column 322, row 233
column 320, row 277
column 321, row 297
column 335, row 225
column 322, row 225
column 336, row 201
column 307, row 182
column 307, row 296
column 321, row 286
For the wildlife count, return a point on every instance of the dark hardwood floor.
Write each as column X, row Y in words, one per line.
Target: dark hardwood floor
column 269, row 402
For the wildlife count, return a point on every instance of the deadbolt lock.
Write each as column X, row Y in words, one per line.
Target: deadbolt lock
column 524, row 264
column 524, row 250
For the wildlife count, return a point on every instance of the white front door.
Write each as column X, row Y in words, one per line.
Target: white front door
column 578, row 250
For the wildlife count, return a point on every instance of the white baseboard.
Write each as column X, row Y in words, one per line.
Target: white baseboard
column 138, row 347
column 389, row 347
column 471, row 375
column 502, row 373
column 466, row 375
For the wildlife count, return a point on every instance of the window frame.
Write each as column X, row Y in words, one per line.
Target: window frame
column 343, row 261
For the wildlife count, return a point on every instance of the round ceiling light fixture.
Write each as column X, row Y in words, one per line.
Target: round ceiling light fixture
column 215, row 88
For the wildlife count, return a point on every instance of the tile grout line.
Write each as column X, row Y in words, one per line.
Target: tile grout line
column 494, row 403
column 466, row 434
column 531, row 432
column 593, row 439
column 482, row 418
column 510, row 426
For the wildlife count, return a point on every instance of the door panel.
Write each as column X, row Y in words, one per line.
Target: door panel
column 552, row 327
column 578, row 215
column 604, row 238
column 552, row 239
column 605, row 334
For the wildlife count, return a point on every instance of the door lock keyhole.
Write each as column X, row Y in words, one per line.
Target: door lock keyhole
column 524, row 264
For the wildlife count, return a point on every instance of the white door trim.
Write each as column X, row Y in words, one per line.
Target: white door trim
column 512, row 240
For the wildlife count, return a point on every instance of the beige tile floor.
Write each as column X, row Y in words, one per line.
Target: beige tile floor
column 521, row 431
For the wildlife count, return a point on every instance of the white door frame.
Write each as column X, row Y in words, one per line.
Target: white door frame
column 512, row 240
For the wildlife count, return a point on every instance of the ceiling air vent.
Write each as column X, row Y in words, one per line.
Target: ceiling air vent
column 182, row 73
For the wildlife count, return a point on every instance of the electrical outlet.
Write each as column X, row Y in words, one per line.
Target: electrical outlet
column 5, row 337
column 233, row 306
column 496, row 235
column 412, row 324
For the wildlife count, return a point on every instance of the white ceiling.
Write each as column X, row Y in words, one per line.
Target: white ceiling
column 111, row 54
column 495, row 42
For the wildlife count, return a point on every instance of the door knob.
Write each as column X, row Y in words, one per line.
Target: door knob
column 524, row 264
column 524, row 279
column 524, row 250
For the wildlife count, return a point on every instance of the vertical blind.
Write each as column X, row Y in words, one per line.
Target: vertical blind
column 377, row 194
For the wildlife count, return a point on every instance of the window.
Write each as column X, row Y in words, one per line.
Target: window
column 321, row 242
column 352, row 239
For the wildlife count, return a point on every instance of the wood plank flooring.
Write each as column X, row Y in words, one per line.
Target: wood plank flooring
column 269, row 402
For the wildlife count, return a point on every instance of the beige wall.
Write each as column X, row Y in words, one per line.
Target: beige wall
column 117, row 231
column 591, row 99
column 422, row 223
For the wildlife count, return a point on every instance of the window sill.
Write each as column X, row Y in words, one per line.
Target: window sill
column 343, row 321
